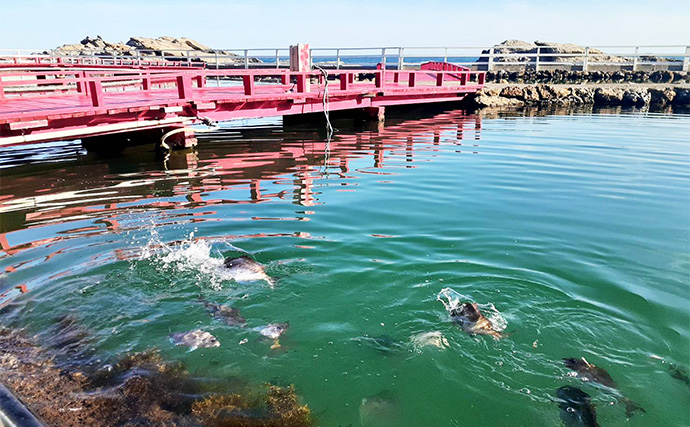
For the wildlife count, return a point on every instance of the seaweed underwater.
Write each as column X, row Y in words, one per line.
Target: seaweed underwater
column 138, row 389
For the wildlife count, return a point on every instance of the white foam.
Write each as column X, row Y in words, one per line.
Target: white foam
column 189, row 256
column 452, row 299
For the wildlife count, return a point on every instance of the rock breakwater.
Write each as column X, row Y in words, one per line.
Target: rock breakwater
column 547, row 94
column 560, row 76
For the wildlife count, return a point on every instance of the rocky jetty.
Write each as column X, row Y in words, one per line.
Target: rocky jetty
column 560, row 76
column 549, row 94
column 173, row 48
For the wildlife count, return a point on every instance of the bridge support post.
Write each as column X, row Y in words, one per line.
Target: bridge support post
column 116, row 142
column 375, row 113
column 344, row 81
column 248, row 81
column 184, row 87
column 96, row 93
column 439, row 79
column 182, row 137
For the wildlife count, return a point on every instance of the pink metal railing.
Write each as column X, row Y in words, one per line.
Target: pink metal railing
column 90, row 61
column 96, row 83
column 442, row 66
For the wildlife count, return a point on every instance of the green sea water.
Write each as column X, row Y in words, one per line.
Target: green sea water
column 571, row 230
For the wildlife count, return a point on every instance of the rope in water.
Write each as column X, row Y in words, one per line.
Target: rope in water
column 325, row 101
column 212, row 127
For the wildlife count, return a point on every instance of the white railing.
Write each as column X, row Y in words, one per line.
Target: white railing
column 675, row 57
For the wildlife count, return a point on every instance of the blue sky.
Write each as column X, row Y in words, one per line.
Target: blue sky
column 42, row 24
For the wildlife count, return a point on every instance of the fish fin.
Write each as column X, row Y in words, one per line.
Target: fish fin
column 589, row 365
column 276, row 345
column 506, row 334
column 271, row 281
column 192, row 348
column 631, row 407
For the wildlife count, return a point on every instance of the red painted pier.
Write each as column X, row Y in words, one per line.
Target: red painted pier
column 71, row 100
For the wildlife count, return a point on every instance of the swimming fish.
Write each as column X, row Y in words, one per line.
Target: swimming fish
column 244, row 269
column 194, row 339
column 231, row 316
column 384, row 344
column 576, row 407
column 679, row 373
column 381, row 410
column 472, row 321
column 274, row 331
column 429, row 339
column 589, row 372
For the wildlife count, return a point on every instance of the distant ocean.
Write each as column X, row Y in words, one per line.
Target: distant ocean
column 372, row 60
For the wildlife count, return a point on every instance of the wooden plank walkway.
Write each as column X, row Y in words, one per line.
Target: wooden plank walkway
column 74, row 102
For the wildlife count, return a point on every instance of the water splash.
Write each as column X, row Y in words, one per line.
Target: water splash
column 452, row 299
column 189, row 256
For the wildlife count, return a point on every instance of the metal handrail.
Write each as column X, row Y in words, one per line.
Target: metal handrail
column 403, row 55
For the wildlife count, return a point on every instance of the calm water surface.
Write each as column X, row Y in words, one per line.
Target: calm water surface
column 576, row 228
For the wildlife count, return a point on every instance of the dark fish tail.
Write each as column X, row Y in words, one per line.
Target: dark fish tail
column 631, row 407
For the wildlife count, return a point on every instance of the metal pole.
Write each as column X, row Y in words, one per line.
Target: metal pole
column 277, row 59
column 490, row 66
column 401, row 58
column 445, row 54
column 337, row 59
column 635, row 58
column 246, row 58
column 585, row 61
column 217, row 67
column 686, row 59
column 383, row 58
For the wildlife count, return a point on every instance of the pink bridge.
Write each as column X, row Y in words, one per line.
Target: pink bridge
column 48, row 102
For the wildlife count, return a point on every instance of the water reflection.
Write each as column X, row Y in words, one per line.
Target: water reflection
column 231, row 167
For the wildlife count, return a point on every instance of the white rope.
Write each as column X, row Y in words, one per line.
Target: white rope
column 212, row 127
column 326, row 106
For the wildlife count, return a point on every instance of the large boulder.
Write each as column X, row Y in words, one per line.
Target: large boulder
column 638, row 97
column 682, row 97
column 510, row 47
column 174, row 48
column 608, row 96
column 560, row 52
column 168, row 46
column 566, row 49
column 661, row 97
column 95, row 46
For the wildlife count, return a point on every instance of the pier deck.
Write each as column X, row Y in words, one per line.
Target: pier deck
column 73, row 102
